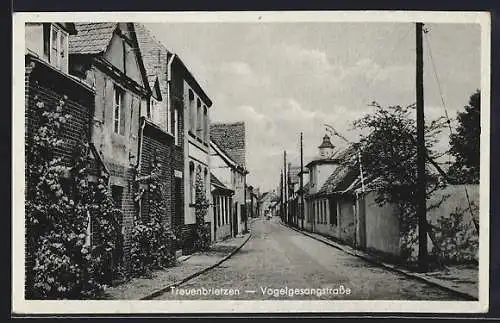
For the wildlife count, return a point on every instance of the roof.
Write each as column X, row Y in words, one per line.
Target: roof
column 154, row 54
column 94, row 39
column 91, row 38
column 326, row 143
column 156, row 57
column 230, row 137
column 69, row 27
column 340, row 180
column 306, row 188
column 217, row 183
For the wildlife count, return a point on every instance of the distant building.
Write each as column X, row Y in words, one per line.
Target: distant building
column 228, row 174
column 230, row 137
column 329, row 211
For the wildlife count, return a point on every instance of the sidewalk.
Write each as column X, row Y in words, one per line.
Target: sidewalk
column 461, row 280
column 187, row 268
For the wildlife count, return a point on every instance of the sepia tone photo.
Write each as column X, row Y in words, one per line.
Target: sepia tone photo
column 312, row 163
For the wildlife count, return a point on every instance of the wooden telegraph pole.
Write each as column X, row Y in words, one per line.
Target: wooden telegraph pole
column 421, row 154
column 285, row 188
column 302, row 180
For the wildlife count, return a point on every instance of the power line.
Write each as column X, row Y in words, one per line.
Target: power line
column 448, row 120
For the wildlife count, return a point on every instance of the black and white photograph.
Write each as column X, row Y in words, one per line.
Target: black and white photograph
column 251, row 162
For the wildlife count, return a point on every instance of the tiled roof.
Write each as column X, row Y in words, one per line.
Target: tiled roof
column 306, row 188
column 154, row 54
column 91, row 38
column 216, row 182
column 231, row 138
column 341, row 178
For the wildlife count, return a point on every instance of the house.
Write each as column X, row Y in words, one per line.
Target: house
column 329, row 210
column 252, row 205
column 344, row 206
column 222, row 197
column 106, row 57
column 265, row 201
column 229, row 173
column 47, row 81
column 184, row 113
column 162, row 120
column 293, row 183
column 230, row 137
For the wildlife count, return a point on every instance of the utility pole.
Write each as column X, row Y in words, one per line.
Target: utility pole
column 421, row 154
column 285, row 187
column 281, row 197
column 302, row 180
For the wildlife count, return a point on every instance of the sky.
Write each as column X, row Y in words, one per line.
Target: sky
column 286, row 78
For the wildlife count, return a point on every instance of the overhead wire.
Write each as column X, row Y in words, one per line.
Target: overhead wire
column 448, row 119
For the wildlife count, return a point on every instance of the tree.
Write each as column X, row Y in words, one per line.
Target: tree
column 465, row 143
column 389, row 159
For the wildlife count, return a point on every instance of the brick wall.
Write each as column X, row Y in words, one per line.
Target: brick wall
column 161, row 145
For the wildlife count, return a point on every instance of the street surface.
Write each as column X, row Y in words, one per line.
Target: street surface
column 280, row 263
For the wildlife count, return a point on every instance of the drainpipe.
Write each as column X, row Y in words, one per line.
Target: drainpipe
column 139, row 154
column 169, row 80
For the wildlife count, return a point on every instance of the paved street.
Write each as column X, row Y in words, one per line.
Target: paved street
column 277, row 258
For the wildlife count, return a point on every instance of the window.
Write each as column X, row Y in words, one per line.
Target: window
column 205, row 126
column 192, row 111
column 191, row 183
column 226, row 200
column 56, row 46
column 218, row 209
column 199, row 116
column 151, row 108
column 333, row 212
column 118, row 113
column 176, row 126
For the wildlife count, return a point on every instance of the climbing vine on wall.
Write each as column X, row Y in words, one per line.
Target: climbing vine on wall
column 153, row 241
column 62, row 261
column 202, row 229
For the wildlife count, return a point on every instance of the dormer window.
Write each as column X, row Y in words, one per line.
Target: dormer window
column 56, row 46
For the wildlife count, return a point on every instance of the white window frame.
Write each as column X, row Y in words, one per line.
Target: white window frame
column 61, row 54
column 117, row 105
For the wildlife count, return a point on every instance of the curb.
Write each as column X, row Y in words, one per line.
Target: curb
column 185, row 279
column 391, row 267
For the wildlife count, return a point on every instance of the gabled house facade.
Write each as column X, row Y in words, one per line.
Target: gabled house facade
column 183, row 113
column 229, row 173
column 106, row 57
column 162, row 129
column 230, row 137
column 329, row 210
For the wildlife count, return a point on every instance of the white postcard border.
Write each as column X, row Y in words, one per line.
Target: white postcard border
column 22, row 306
